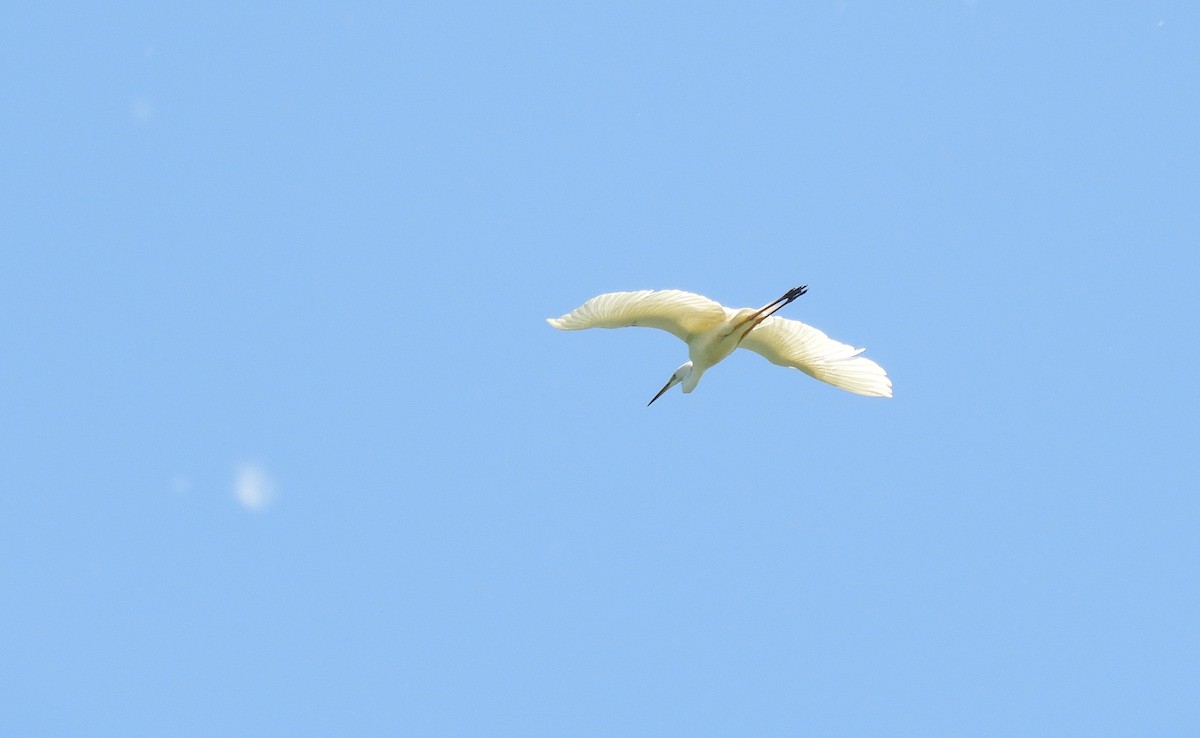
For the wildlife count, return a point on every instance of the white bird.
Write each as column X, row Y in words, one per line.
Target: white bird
column 712, row 331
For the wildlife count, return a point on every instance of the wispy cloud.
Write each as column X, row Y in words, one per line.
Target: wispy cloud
column 253, row 487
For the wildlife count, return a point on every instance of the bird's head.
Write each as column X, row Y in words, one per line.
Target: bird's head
column 680, row 374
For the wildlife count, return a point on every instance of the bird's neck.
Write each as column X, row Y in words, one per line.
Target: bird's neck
column 691, row 377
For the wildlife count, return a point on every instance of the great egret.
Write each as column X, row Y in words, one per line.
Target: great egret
column 712, row 331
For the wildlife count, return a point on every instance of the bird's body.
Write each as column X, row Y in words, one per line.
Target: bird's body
column 712, row 332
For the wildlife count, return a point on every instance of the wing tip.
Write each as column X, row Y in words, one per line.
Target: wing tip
column 885, row 386
column 867, row 391
column 860, row 375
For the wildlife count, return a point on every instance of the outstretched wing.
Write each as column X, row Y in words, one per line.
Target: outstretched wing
column 792, row 343
column 682, row 313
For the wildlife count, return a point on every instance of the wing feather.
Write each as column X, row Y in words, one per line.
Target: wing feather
column 683, row 314
column 795, row 344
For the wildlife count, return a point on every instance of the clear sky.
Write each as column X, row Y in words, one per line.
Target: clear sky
column 290, row 450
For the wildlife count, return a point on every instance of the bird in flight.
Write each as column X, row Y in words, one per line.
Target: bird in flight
column 712, row 331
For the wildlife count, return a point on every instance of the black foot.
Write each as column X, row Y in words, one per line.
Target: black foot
column 792, row 294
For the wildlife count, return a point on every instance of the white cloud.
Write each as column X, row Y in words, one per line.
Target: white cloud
column 253, row 487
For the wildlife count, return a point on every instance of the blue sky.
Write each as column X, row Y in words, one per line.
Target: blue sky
column 290, row 449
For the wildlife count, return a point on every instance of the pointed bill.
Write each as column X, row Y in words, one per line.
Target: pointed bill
column 674, row 380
